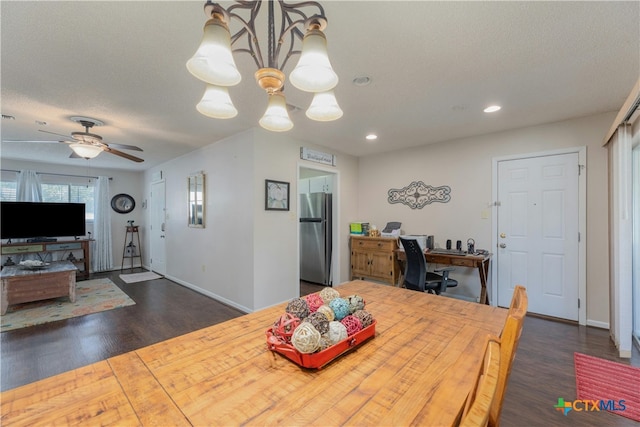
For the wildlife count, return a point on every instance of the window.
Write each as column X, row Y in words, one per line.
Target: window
column 55, row 188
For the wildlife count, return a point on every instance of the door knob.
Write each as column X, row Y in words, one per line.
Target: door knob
column 502, row 235
column 503, row 245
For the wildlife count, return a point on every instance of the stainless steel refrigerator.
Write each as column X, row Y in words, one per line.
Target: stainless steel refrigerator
column 315, row 238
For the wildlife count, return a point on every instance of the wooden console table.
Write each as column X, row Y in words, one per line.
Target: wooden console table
column 480, row 262
column 22, row 285
column 13, row 249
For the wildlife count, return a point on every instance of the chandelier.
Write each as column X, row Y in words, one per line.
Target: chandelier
column 213, row 62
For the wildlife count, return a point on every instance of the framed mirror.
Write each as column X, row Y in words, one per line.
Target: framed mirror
column 196, row 200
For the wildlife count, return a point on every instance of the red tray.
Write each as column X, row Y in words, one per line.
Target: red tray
column 321, row 358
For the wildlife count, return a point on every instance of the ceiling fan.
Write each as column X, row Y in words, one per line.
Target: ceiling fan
column 88, row 145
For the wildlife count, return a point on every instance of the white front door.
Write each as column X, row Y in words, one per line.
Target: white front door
column 538, row 232
column 158, row 241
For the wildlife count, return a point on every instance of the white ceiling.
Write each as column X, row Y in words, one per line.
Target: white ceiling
column 434, row 66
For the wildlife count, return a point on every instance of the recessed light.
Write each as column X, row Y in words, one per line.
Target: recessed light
column 371, row 137
column 492, row 109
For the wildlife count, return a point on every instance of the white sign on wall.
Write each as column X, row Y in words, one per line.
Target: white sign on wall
column 317, row 156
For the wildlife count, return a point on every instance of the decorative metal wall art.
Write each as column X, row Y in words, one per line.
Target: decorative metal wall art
column 418, row 194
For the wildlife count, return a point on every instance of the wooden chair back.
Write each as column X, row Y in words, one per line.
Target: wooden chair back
column 508, row 346
column 478, row 407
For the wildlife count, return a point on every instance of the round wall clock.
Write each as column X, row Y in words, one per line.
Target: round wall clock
column 122, row 203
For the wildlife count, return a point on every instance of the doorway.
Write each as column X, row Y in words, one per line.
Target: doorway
column 539, row 232
column 321, row 180
column 157, row 230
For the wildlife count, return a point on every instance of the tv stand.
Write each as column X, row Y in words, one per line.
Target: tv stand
column 42, row 239
column 55, row 246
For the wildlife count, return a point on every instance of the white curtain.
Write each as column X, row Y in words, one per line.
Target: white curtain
column 620, row 243
column 102, row 258
column 29, row 187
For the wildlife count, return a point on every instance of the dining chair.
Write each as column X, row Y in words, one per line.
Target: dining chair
column 416, row 276
column 508, row 345
column 478, row 406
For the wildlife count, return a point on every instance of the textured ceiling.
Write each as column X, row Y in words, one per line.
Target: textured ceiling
column 434, row 66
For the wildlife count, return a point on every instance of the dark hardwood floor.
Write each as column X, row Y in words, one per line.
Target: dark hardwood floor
column 542, row 372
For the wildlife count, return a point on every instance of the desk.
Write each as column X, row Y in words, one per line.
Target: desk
column 481, row 262
column 418, row 370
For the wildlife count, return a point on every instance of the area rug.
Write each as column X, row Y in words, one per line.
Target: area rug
column 617, row 386
column 92, row 296
column 139, row 277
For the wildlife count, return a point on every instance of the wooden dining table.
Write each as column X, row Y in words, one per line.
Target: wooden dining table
column 418, row 369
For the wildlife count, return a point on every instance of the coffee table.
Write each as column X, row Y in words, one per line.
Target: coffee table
column 23, row 285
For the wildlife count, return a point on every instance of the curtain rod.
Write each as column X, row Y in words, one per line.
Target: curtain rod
column 56, row 174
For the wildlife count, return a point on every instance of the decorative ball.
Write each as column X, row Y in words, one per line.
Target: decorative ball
column 325, row 343
column 298, row 307
column 340, row 307
column 352, row 323
column 337, row 332
column 327, row 294
column 319, row 321
column 365, row 317
column 355, row 303
column 313, row 301
column 306, row 338
column 284, row 326
column 326, row 310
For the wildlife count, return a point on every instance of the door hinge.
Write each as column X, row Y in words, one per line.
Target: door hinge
column 578, row 302
column 580, row 168
column 578, row 236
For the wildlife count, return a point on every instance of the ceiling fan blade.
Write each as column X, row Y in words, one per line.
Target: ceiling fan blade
column 53, row 133
column 125, row 147
column 38, row 142
column 121, row 154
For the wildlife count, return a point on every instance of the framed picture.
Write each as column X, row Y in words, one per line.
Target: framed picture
column 276, row 195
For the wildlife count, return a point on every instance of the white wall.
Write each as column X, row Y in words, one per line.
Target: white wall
column 122, row 182
column 245, row 256
column 465, row 165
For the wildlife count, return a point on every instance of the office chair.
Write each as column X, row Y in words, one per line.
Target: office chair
column 416, row 276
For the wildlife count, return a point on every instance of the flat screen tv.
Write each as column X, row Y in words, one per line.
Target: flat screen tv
column 39, row 220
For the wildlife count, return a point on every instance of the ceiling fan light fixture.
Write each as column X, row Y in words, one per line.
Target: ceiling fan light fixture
column 276, row 118
column 86, row 137
column 86, row 151
column 216, row 103
column 213, row 62
column 324, row 107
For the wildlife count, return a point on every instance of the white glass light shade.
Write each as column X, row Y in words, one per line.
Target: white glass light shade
column 314, row 72
column 217, row 103
column 213, row 62
column 276, row 118
column 324, row 107
column 85, row 150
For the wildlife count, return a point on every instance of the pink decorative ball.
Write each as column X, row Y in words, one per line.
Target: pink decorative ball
column 314, row 301
column 284, row 326
column 352, row 323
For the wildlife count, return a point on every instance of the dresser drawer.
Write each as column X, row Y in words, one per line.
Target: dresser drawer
column 374, row 245
column 64, row 246
column 8, row 250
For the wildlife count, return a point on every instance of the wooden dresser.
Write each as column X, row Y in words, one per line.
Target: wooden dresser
column 374, row 258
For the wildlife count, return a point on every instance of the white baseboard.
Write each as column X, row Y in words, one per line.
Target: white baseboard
column 210, row 294
column 597, row 324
